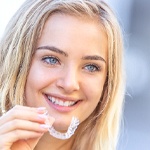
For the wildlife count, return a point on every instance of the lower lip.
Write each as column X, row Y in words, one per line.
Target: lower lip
column 62, row 108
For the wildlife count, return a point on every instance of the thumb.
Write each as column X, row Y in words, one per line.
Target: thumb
column 26, row 144
column 33, row 142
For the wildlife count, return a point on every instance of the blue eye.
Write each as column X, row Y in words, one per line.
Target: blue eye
column 51, row 60
column 92, row 68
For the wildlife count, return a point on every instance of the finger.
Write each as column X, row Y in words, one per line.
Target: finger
column 34, row 109
column 11, row 137
column 23, row 125
column 33, row 142
column 22, row 112
column 25, row 144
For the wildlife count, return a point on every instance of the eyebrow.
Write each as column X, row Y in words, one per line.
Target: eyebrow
column 57, row 50
column 54, row 49
column 94, row 57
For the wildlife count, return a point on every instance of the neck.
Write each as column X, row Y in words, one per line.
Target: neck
column 51, row 143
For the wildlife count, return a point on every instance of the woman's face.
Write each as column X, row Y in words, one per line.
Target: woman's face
column 68, row 69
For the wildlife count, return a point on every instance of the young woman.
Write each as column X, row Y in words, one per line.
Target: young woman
column 59, row 60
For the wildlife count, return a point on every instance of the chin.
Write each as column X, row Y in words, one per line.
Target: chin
column 61, row 126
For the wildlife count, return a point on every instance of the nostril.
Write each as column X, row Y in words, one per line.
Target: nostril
column 68, row 84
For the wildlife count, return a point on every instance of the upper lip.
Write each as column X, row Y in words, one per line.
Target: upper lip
column 63, row 98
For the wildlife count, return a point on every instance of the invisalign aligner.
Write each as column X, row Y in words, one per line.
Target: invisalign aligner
column 72, row 128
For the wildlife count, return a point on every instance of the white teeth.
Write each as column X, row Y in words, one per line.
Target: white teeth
column 60, row 102
column 52, row 99
column 66, row 103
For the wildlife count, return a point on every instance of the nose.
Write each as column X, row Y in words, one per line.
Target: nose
column 68, row 80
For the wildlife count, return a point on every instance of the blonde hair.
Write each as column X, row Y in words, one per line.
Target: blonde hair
column 100, row 130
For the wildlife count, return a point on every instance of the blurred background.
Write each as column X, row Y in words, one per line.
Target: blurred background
column 134, row 19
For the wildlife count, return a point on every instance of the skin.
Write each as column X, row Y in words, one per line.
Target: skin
column 21, row 128
column 69, row 64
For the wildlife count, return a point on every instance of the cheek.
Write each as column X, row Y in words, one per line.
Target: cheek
column 94, row 88
column 38, row 79
column 93, row 95
column 35, row 79
column 94, row 92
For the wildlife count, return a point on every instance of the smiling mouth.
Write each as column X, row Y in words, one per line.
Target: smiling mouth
column 59, row 102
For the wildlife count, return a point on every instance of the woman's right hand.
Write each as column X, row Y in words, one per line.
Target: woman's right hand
column 22, row 127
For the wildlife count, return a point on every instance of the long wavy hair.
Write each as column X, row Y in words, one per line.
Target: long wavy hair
column 100, row 130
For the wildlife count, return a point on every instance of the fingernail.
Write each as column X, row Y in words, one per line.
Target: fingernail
column 42, row 109
column 43, row 116
column 49, row 121
column 45, row 126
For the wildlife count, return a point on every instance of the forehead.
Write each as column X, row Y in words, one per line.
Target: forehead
column 58, row 18
column 71, row 32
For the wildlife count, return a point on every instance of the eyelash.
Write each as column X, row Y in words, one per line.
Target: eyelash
column 96, row 68
column 48, row 59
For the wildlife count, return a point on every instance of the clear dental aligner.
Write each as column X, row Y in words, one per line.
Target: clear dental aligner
column 72, row 128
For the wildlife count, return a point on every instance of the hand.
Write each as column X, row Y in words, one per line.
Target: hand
column 22, row 127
